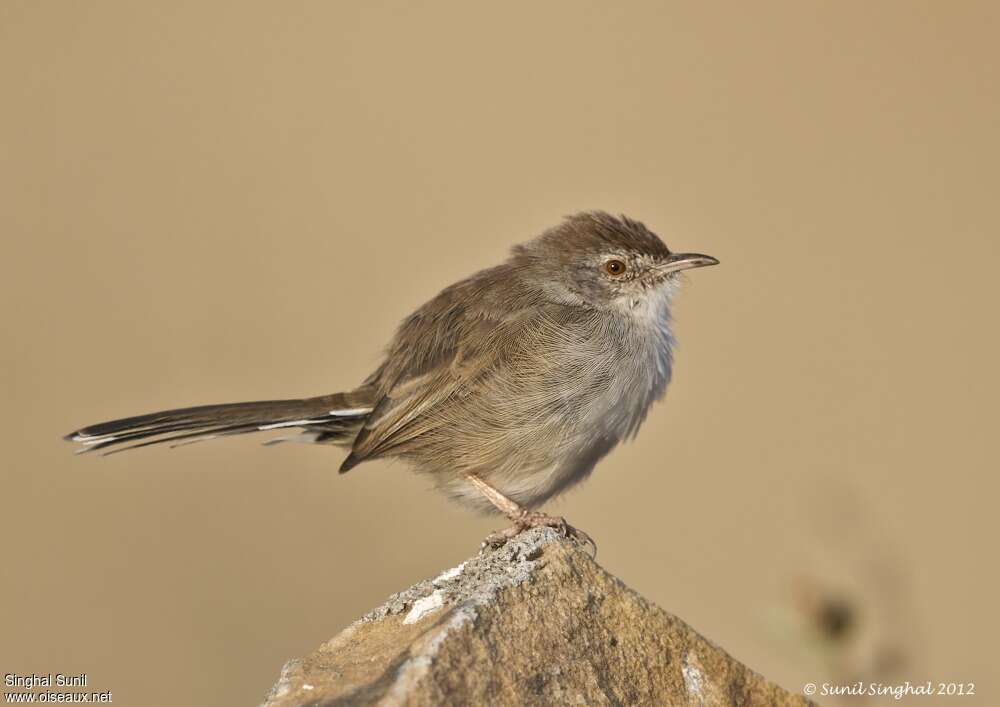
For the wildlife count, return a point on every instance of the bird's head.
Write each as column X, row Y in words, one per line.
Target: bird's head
column 602, row 261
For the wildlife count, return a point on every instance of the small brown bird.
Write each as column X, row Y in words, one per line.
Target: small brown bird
column 505, row 389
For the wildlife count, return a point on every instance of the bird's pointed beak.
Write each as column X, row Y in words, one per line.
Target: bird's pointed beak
column 685, row 261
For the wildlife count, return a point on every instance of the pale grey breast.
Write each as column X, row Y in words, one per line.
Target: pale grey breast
column 569, row 384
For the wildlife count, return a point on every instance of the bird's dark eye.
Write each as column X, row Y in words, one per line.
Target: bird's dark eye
column 614, row 267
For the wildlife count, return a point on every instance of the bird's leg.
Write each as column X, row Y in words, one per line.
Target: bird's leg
column 522, row 518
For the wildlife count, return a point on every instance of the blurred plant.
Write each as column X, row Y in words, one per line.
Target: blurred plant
column 848, row 617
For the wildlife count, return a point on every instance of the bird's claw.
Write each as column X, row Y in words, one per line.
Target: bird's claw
column 533, row 519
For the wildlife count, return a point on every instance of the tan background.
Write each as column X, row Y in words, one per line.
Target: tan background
column 210, row 201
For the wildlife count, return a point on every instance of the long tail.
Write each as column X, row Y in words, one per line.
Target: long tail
column 328, row 418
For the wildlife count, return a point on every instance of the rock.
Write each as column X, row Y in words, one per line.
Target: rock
column 534, row 622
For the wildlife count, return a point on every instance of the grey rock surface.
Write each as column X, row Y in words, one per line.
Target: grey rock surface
column 535, row 622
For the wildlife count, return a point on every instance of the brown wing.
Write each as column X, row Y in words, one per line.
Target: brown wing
column 403, row 412
column 440, row 351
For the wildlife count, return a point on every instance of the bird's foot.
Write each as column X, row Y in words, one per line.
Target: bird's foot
column 532, row 519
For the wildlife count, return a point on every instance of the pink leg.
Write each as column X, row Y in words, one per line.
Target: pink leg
column 522, row 518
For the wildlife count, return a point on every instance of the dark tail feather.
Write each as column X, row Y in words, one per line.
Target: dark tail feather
column 327, row 418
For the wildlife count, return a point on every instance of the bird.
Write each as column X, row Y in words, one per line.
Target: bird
column 505, row 389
